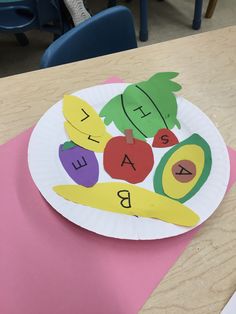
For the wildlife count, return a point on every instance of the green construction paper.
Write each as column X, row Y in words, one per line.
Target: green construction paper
column 145, row 107
column 68, row 145
column 194, row 139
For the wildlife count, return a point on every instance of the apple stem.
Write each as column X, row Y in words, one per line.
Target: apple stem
column 129, row 136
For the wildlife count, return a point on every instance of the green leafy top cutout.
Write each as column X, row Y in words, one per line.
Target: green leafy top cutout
column 145, row 107
column 68, row 145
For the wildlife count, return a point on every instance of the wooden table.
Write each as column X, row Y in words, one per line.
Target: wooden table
column 204, row 277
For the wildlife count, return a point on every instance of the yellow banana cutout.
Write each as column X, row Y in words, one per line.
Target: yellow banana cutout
column 130, row 200
column 96, row 144
column 82, row 116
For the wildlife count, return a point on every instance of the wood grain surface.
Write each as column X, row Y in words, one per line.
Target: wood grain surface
column 204, row 277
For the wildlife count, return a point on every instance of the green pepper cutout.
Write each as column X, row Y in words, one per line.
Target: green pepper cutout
column 145, row 107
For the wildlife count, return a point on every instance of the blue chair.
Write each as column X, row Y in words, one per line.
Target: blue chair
column 109, row 31
column 51, row 18
column 143, row 11
column 18, row 16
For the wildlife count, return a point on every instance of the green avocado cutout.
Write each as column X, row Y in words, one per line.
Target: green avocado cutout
column 188, row 144
column 145, row 107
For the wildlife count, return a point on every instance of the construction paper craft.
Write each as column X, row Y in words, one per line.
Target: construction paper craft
column 96, row 144
column 130, row 200
column 82, row 116
column 129, row 136
column 47, row 171
column 145, row 107
column 184, row 169
column 57, row 268
column 129, row 162
column 80, row 164
column 68, row 145
column 164, row 138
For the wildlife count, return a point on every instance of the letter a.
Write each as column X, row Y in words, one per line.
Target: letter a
column 183, row 171
column 128, row 162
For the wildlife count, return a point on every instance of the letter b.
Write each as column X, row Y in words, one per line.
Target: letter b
column 125, row 199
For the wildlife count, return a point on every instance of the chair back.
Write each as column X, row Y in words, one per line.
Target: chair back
column 50, row 15
column 109, row 31
column 18, row 16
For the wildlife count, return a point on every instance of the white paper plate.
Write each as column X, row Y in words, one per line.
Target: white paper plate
column 47, row 171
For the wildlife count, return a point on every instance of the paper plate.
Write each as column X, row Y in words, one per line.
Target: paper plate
column 47, row 171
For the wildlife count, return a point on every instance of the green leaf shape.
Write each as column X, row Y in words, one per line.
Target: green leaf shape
column 68, row 145
column 145, row 107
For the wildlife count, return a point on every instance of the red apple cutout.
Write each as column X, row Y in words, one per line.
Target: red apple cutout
column 128, row 158
column 164, row 138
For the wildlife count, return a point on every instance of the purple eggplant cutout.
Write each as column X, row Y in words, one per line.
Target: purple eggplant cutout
column 80, row 164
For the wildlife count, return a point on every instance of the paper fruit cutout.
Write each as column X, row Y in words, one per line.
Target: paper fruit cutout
column 128, row 159
column 82, row 116
column 145, row 107
column 184, row 169
column 83, row 125
column 144, row 110
column 96, row 144
column 80, row 164
column 164, row 138
column 129, row 199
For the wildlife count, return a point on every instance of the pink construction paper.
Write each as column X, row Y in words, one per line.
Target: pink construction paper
column 50, row 265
